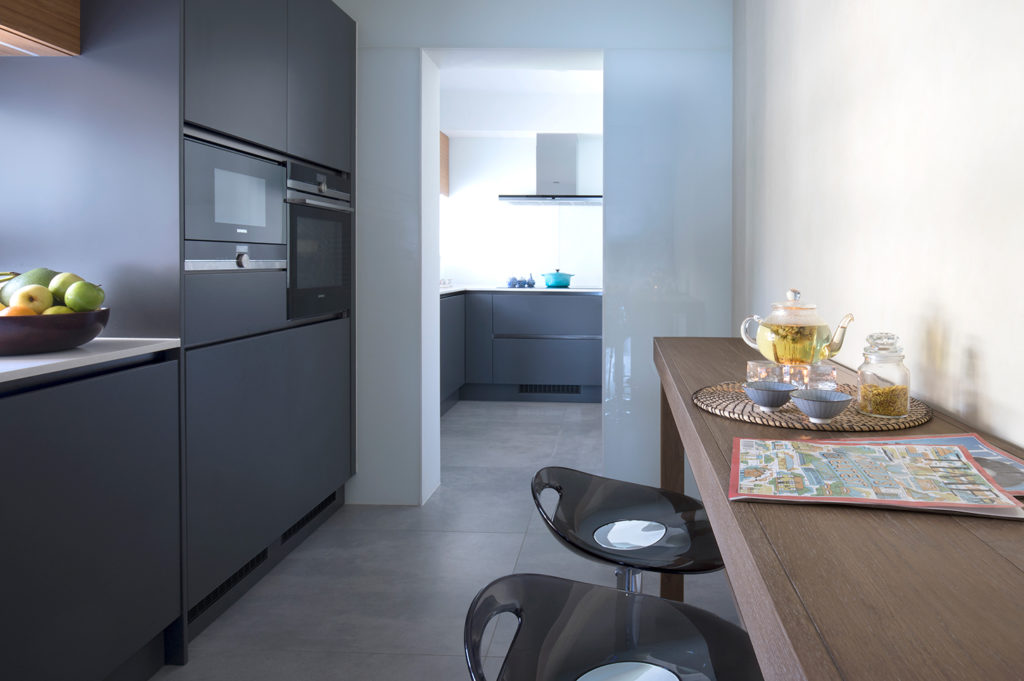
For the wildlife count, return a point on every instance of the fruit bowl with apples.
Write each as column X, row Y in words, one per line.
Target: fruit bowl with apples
column 44, row 310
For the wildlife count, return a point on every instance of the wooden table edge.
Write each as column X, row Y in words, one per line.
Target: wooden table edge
column 773, row 640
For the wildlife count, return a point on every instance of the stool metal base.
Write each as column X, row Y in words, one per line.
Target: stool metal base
column 629, row 579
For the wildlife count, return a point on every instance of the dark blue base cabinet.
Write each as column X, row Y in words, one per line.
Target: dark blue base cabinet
column 268, row 438
column 90, row 520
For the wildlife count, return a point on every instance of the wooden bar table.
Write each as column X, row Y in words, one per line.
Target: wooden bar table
column 843, row 592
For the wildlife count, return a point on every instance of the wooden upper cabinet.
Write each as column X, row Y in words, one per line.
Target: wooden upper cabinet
column 44, row 28
column 236, row 68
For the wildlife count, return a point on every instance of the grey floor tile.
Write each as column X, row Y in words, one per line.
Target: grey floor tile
column 365, row 591
column 470, row 499
column 508, row 412
column 280, row 665
column 544, row 554
column 492, row 666
column 505, row 445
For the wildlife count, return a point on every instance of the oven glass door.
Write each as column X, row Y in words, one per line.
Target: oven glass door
column 319, row 261
column 231, row 196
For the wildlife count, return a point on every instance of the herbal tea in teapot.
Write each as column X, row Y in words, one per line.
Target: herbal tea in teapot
column 794, row 333
column 793, row 344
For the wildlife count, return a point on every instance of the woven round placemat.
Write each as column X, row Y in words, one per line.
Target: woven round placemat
column 729, row 400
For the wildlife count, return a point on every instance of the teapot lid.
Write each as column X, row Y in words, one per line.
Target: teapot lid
column 793, row 302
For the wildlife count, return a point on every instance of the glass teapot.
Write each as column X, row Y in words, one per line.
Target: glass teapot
column 794, row 333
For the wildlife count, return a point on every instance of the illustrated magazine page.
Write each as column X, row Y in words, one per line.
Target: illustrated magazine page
column 891, row 473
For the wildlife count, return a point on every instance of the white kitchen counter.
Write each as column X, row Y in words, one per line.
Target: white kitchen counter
column 446, row 290
column 96, row 351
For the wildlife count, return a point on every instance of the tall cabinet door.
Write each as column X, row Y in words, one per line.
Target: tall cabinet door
column 321, row 83
column 268, row 438
column 236, row 59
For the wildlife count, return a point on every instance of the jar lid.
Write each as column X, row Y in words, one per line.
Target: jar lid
column 883, row 343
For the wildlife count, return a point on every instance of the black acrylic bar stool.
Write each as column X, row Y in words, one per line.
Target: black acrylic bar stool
column 633, row 526
column 571, row 631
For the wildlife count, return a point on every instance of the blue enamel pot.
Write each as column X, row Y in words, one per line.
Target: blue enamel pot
column 557, row 279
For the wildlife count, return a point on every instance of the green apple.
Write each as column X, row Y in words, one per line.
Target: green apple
column 82, row 296
column 35, row 296
column 58, row 309
column 60, row 283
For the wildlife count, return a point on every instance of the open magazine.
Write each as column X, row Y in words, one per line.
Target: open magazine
column 1005, row 470
column 892, row 472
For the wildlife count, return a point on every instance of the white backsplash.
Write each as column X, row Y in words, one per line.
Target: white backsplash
column 486, row 241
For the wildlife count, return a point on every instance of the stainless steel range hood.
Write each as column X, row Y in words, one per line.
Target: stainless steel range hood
column 556, row 175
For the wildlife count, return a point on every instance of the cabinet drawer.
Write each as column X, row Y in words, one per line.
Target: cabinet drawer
column 539, row 314
column 543, row 361
column 224, row 305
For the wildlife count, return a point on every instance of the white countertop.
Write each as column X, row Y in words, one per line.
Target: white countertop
column 94, row 352
column 505, row 289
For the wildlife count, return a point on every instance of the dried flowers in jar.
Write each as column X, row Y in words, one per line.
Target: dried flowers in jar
column 884, row 379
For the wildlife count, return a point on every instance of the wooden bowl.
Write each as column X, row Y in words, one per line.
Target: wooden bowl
column 50, row 333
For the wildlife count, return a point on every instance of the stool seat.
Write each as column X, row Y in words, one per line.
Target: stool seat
column 571, row 630
column 631, row 525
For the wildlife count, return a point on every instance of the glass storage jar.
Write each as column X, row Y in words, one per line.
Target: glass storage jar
column 884, row 379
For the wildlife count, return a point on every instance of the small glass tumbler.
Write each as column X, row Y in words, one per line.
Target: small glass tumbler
column 821, row 377
column 797, row 374
column 765, row 370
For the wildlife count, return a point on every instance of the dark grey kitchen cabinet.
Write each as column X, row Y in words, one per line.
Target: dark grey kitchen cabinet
column 479, row 336
column 533, row 346
column 533, row 314
column 90, row 519
column 547, row 361
column 547, row 339
column 268, row 438
column 453, row 348
column 236, row 68
column 321, row 83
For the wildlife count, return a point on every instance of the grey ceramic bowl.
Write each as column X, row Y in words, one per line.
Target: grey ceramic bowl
column 821, row 406
column 768, row 395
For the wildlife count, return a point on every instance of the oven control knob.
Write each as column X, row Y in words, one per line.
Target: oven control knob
column 322, row 187
column 242, row 259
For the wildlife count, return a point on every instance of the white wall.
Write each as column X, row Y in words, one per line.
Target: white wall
column 430, row 302
column 388, row 309
column 880, row 153
column 390, row 326
column 481, row 112
column 485, row 241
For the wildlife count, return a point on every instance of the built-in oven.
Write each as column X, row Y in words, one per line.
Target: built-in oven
column 319, row 218
column 268, row 242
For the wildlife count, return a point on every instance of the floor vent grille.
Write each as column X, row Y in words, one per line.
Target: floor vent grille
column 304, row 520
column 549, row 389
column 226, row 586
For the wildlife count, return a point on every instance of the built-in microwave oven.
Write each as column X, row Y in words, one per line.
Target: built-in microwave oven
column 233, row 196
